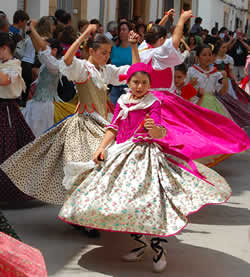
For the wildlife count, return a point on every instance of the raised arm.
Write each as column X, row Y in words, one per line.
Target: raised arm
column 166, row 17
column 133, row 40
column 178, row 32
column 37, row 41
column 68, row 57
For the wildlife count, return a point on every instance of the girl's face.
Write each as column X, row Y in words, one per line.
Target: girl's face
column 4, row 52
column 205, row 57
column 192, row 41
column 101, row 55
column 139, row 84
column 223, row 49
column 179, row 78
column 124, row 31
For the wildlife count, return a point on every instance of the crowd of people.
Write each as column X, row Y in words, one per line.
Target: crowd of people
column 108, row 124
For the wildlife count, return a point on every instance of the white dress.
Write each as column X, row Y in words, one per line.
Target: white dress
column 39, row 111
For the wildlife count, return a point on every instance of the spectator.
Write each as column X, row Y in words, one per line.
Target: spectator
column 68, row 37
column 44, row 27
column 100, row 29
column 66, row 19
column 59, row 15
column 214, row 36
column 196, row 28
column 82, row 26
column 121, row 55
column 239, row 51
column 4, row 24
column 112, row 30
column 20, row 20
column 140, row 30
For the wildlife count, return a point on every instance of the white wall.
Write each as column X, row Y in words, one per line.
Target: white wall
column 93, row 9
column 9, row 7
column 211, row 11
column 38, row 8
column 153, row 10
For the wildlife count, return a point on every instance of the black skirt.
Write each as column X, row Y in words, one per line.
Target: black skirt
column 14, row 134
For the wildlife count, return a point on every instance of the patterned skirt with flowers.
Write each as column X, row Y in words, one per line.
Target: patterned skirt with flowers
column 139, row 189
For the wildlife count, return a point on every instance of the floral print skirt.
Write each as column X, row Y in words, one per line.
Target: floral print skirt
column 139, row 189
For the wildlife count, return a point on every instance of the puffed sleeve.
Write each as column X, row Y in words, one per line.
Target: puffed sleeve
column 115, row 123
column 155, row 112
column 112, row 74
column 50, row 61
column 77, row 71
column 166, row 56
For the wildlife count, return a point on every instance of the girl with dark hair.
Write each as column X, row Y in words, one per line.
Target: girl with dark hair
column 142, row 187
column 185, row 120
column 209, row 79
column 235, row 100
column 121, row 55
column 185, row 89
column 77, row 137
column 46, row 108
column 14, row 131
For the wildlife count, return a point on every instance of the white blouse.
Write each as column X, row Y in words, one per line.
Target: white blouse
column 227, row 60
column 80, row 70
column 13, row 69
column 209, row 82
column 162, row 57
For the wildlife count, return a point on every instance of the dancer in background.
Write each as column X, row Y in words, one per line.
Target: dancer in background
column 185, row 89
column 46, row 108
column 204, row 132
column 14, row 131
column 210, row 80
column 235, row 100
column 141, row 188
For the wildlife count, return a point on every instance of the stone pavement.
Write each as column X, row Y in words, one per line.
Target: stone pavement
column 216, row 243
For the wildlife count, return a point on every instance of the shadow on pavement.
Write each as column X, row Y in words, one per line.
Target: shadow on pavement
column 183, row 260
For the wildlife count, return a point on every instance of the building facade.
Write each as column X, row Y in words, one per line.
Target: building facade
column 232, row 14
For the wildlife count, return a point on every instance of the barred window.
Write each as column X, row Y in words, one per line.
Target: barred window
column 66, row 5
column 20, row 4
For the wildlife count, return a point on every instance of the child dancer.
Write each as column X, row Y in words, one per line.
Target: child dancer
column 184, row 89
column 37, row 169
column 204, row 132
column 14, row 131
column 236, row 99
column 46, row 108
column 141, row 188
column 209, row 79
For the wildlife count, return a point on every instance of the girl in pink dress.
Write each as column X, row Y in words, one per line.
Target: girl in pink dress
column 204, row 132
column 141, row 187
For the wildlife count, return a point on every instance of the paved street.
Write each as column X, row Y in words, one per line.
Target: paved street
column 216, row 242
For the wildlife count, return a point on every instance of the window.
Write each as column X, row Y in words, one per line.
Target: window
column 21, row 4
column 66, row 5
